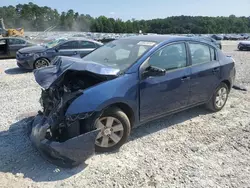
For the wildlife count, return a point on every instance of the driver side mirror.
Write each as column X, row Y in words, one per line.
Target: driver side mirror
column 153, row 71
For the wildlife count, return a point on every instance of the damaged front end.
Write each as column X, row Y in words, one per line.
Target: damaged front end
column 66, row 140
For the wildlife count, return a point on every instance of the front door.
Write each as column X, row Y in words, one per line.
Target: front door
column 162, row 94
column 4, row 52
column 205, row 71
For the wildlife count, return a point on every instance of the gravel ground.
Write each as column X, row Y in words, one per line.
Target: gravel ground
column 189, row 149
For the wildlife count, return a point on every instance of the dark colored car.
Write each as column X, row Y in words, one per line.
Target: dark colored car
column 244, row 45
column 232, row 37
column 217, row 37
column 10, row 45
column 215, row 42
column 245, row 36
column 92, row 104
column 41, row 55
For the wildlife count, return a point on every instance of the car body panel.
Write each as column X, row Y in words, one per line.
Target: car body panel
column 119, row 90
column 48, row 76
column 204, row 79
column 159, row 95
column 64, row 154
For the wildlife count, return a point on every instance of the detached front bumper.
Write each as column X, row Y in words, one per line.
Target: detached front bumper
column 65, row 154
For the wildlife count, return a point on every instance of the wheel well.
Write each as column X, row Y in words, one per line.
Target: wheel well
column 227, row 83
column 127, row 110
column 40, row 58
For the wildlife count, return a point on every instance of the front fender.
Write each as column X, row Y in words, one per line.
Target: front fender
column 119, row 90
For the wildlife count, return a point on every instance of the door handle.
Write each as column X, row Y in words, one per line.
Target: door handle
column 215, row 70
column 75, row 53
column 185, row 78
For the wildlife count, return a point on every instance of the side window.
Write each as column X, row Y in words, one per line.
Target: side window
column 16, row 41
column 122, row 54
column 2, row 42
column 69, row 45
column 170, row 57
column 213, row 54
column 200, row 53
column 86, row 44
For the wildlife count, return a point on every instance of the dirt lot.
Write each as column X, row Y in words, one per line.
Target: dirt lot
column 189, row 149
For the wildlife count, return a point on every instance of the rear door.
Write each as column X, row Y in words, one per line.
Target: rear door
column 69, row 48
column 205, row 72
column 15, row 45
column 85, row 47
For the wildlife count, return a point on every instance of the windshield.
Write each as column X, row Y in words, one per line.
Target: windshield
column 54, row 43
column 120, row 53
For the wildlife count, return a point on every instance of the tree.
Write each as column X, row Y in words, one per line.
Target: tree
column 38, row 18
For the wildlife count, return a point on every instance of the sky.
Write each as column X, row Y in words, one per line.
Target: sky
column 145, row 9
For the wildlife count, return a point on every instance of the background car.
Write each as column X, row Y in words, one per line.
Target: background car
column 244, row 45
column 123, row 84
column 10, row 45
column 217, row 37
column 41, row 55
column 215, row 42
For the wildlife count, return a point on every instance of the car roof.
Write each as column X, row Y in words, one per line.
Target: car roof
column 13, row 38
column 167, row 38
column 155, row 38
column 82, row 38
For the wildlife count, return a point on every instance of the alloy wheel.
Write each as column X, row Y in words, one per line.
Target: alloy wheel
column 221, row 97
column 41, row 63
column 111, row 132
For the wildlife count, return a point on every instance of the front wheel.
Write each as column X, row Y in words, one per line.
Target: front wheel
column 114, row 127
column 42, row 62
column 219, row 98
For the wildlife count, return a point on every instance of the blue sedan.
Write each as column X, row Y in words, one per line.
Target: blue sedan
column 92, row 104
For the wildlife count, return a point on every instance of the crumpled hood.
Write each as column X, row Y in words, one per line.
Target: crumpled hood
column 245, row 42
column 47, row 76
column 32, row 49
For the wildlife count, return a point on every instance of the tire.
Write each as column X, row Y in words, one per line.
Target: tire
column 41, row 62
column 213, row 104
column 240, row 48
column 120, row 116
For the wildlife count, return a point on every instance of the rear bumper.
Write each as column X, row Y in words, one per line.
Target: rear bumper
column 65, row 154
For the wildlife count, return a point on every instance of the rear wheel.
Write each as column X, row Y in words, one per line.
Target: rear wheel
column 42, row 62
column 219, row 98
column 114, row 127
